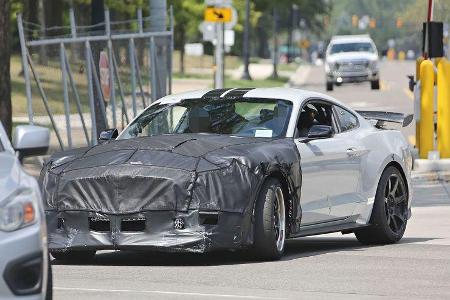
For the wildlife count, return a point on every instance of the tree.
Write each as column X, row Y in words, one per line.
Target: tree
column 5, row 80
column 97, row 17
column 188, row 15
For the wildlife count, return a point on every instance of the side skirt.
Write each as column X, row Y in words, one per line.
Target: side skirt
column 346, row 228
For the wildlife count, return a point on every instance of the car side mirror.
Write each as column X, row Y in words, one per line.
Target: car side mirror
column 108, row 134
column 30, row 140
column 319, row 132
column 411, row 82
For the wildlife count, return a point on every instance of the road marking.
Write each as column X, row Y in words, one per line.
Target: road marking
column 409, row 93
column 163, row 293
column 384, row 86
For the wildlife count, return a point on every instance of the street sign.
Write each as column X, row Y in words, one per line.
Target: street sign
column 194, row 49
column 218, row 14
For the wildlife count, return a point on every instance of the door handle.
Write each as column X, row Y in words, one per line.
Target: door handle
column 352, row 151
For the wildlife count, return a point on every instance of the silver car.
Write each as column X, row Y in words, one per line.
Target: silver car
column 352, row 58
column 25, row 271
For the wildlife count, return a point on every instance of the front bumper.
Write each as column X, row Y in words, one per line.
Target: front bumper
column 23, row 264
column 151, row 230
column 352, row 76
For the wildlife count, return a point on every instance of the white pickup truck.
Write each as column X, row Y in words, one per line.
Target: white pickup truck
column 352, row 58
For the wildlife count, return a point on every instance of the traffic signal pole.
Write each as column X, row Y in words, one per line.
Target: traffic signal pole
column 219, row 70
column 245, row 50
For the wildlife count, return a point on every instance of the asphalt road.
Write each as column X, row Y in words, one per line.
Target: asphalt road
column 324, row 267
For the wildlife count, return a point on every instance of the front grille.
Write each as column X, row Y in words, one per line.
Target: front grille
column 352, row 65
column 99, row 224
column 132, row 224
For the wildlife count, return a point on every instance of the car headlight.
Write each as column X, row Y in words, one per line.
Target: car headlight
column 19, row 211
column 374, row 65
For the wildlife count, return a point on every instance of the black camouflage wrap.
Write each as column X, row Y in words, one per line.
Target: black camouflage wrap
column 210, row 181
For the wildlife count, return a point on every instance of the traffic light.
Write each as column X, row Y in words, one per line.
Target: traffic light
column 399, row 23
column 355, row 21
column 373, row 23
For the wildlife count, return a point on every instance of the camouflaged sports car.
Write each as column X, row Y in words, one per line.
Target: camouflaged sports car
column 231, row 169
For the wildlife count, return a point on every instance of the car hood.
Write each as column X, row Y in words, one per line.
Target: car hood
column 168, row 172
column 10, row 175
column 349, row 56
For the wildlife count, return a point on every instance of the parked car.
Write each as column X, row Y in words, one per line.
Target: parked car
column 231, row 169
column 24, row 264
column 352, row 58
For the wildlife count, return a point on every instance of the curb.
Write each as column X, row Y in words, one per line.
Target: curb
column 429, row 165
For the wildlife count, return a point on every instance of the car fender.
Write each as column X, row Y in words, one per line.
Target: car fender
column 384, row 147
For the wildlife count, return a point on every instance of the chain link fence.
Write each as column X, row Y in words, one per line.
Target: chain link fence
column 114, row 68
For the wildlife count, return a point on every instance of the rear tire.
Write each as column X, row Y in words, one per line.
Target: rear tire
column 375, row 84
column 74, row 256
column 389, row 214
column 270, row 221
column 329, row 86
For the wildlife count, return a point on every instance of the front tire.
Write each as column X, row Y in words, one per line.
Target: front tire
column 389, row 215
column 375, row 84
column 74, row 256
column 270, row 221
column 329, row 86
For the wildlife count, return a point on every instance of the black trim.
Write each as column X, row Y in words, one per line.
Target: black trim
column 24, row 275
column 339, row 120
column 328, row 229
column 237, row 93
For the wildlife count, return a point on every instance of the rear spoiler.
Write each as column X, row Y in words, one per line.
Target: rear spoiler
column 384, row 116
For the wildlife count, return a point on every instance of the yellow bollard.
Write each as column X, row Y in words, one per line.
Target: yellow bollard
column 419, row 60
column 401, row 55
column 443, row 108
column 426, row 126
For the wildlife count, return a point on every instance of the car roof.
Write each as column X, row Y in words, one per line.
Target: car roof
column 296, row 96
column 342, row 39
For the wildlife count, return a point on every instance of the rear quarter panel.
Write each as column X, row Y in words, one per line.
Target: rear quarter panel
column 382, row 148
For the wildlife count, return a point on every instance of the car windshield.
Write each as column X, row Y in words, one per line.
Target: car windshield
column 239, row 117
column 352, row 47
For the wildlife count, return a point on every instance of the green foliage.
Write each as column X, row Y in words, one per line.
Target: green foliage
column 385, row 13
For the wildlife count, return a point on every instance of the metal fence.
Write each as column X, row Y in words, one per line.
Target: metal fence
column 61, row 66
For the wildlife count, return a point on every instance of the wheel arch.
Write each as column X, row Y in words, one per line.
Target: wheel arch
column 290, row 198
column 399, row 167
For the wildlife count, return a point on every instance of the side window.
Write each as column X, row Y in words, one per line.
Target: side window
column 313, row 113
column 347, row 120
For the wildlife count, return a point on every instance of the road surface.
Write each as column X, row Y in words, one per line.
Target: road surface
column 323, row 267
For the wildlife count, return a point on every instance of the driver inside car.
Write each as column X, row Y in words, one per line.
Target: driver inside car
column 306, row 120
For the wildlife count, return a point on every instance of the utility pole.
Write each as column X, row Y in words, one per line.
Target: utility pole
column 246, row 44
column 158, row 23
column 219, row 71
